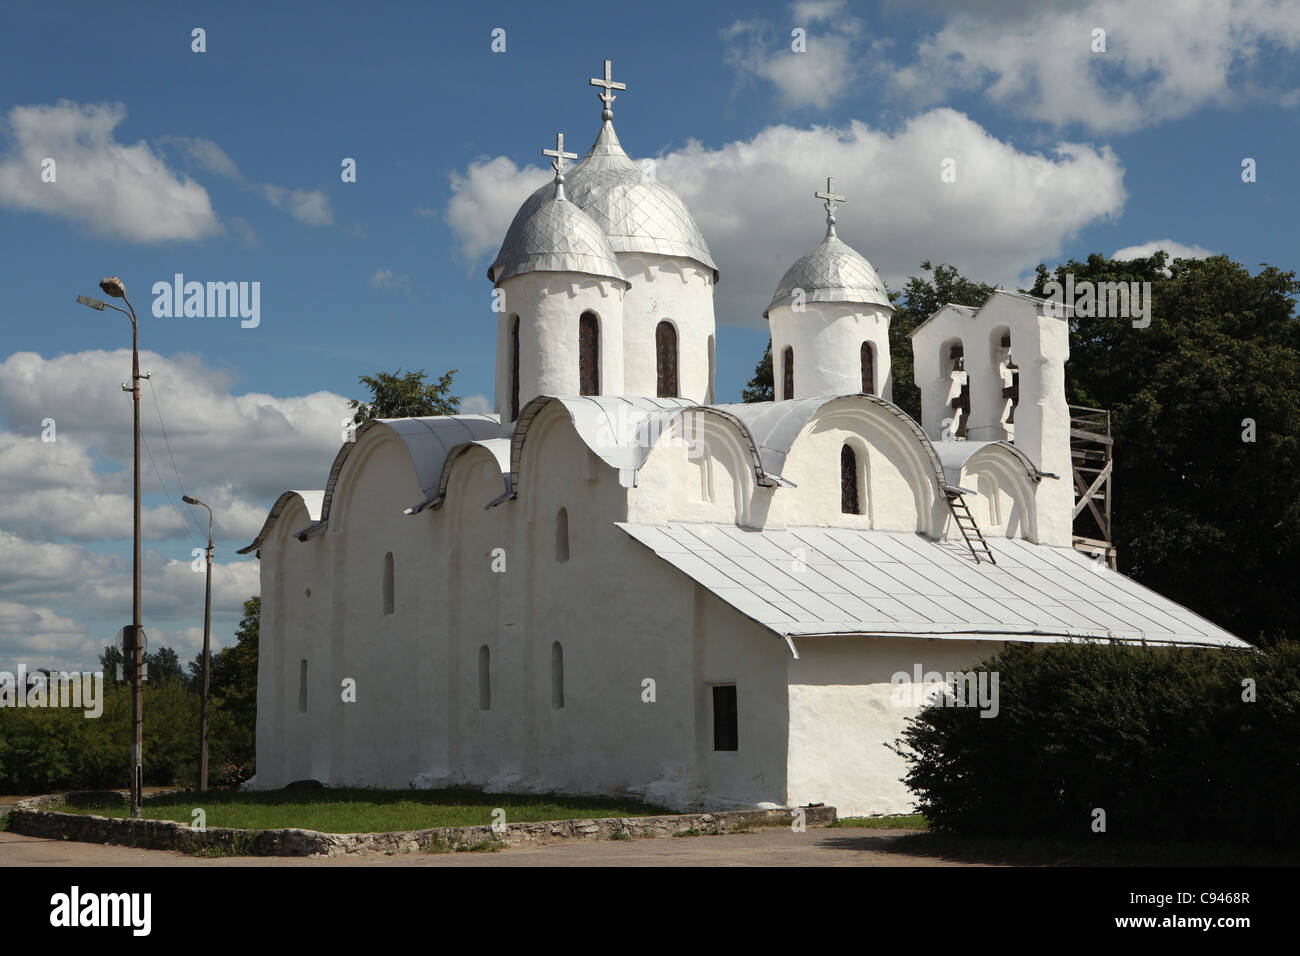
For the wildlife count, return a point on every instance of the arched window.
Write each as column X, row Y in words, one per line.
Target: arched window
column 562, row 535
column 514, row 367
column 388, row 583
column 868, row 369
column 588, row 354
column 557, row 676
column 849, row 502
column 484, row 678
column 787, row 373
column 961, row 403
column 666, row 359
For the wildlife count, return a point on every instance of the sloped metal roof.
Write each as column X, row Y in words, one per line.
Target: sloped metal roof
column 498, row 448
column 428, row 441
column 776, row 425
column 955, row 454
column 554, row 235
column 842, row 581
column 833, row 272
column 634, row 213
column 311, row 501
column 623, row 430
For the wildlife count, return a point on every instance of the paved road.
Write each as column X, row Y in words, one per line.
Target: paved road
column 815, row 847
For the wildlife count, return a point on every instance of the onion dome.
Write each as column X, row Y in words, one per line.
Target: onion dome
column 833, row 272
column 635, row 213
column 554, row 234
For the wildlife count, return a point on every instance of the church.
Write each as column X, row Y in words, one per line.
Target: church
column 615, row 584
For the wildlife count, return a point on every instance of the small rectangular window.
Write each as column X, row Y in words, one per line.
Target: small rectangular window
column 302, row 686
column 725, row 724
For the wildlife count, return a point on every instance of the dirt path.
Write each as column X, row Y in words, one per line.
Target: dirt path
column 818, row 847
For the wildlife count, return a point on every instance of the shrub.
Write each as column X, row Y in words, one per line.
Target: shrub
column 1160, row 739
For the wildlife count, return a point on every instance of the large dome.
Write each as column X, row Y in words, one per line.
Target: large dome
column 833, row 272
column 554, row 235
column 636, row 215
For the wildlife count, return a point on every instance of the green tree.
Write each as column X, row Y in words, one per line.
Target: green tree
column 1201, row 513
column 761, row 387
column 405, row 396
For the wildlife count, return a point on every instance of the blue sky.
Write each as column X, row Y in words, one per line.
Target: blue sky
column 225, row 166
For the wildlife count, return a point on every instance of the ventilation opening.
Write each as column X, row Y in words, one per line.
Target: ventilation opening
column 562, row 535
column 388, row 583
column 514, row 367
column 484, row 678
column 302, row 686
column 557, row 676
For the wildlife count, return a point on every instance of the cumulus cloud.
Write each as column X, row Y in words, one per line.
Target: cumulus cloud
column 827, row 67
column 237, row 451
column 1007, row 210
column 310, row 207
column 1161, row 62
column 1176, row 250
column 475, row 404
column 110, row 188
column 484, row 199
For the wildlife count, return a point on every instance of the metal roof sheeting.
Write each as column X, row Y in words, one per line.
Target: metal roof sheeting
column 311, row 501
column 833, row 272
column 554, row 235
column 843, row 581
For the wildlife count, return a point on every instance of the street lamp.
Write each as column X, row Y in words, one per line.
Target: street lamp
column 113, row 286
column 207, row 654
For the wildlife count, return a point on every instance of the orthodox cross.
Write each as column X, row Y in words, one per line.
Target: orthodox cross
column 609, row 85
column 832, row 203
column 560, row 156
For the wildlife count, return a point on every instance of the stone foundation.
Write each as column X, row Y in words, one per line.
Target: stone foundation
column 38, row 818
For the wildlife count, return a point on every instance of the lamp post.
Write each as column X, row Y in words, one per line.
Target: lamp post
column 113, row 286
column 207, row 654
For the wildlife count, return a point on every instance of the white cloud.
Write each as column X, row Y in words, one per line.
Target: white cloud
column 113, row 190
column 236, row 452
column 1007, row 211
column 475, row 404
column 825, row 70
column 1162, row 61
column 1176, row 250
column 310, row 207
column 386, row 280
column 483, row 201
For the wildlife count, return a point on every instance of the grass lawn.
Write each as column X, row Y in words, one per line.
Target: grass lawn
column 900, row 821
column 370, row 811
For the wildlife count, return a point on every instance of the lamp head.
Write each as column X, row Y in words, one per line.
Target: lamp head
column 113, row 286
column 92, row 303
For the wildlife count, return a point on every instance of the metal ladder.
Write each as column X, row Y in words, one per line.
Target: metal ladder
column 966, row 523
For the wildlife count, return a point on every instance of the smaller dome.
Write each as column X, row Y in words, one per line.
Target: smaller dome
column 833, row 272
column 554, row 236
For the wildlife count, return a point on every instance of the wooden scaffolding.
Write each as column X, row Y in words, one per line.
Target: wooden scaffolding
column 1091, row 454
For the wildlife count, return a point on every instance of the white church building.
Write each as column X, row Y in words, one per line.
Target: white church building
column 616, row 585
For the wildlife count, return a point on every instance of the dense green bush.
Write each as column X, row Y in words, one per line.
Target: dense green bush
column 1161, row 740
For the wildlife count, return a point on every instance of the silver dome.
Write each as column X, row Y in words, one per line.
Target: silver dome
column 554, row 235
column 833, row 272
column 637, row 215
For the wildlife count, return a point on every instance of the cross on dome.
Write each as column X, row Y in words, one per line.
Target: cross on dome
column 832, row 203
column 558, row 165
column 609, row 85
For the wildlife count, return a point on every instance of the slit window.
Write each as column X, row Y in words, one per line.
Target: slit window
column 666, row 360
column 557, row 676
column 868, row 369
column 388, row 583
column 787, row 373
column 588, row 354
column 514, row 367
column 725, row 723
column 562, row 535
column 484, row 678
column 849, row 502
column 302, row 686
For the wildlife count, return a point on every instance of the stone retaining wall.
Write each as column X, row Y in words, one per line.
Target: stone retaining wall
column 37, row 818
